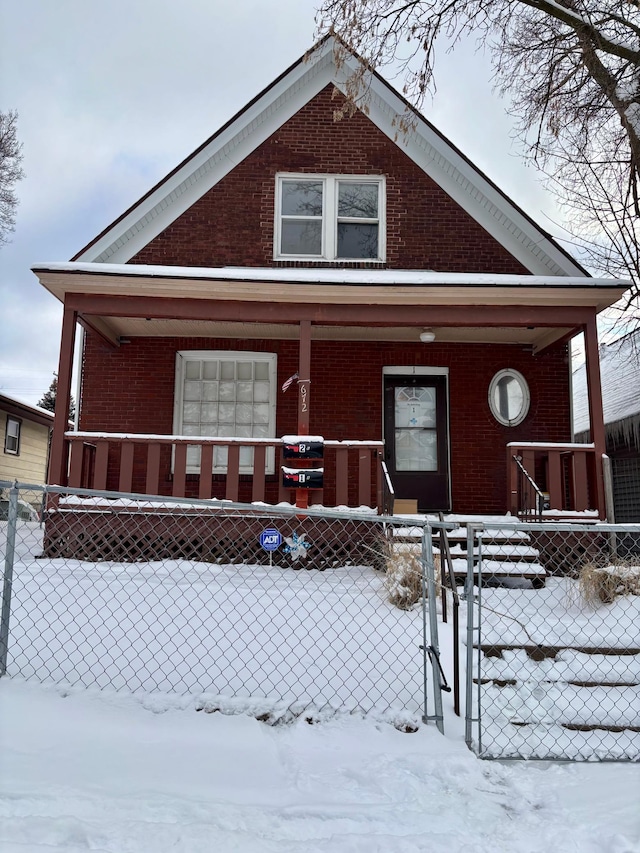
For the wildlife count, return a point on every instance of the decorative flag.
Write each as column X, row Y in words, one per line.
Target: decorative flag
column 288, row 382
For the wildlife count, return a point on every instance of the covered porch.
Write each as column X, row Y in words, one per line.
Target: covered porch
column 320, row 318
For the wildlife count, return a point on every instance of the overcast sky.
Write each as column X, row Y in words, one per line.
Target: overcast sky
column 112, row 94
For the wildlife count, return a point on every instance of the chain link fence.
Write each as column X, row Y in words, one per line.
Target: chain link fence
column 553, row 641
column 245, row 606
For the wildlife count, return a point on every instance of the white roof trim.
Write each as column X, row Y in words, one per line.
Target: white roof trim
column 251, row 127
column 331, row 275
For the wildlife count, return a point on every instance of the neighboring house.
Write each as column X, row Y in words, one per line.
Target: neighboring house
column 24, row 437
column 422, row 318
column 620, row 375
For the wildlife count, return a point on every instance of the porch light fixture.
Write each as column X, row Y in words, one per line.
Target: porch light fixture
column 427, row 336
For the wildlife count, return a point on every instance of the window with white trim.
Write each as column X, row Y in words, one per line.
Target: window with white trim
column 12, row 436
column 330, row 217
column 228, row 394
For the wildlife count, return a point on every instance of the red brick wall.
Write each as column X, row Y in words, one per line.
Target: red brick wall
column 131, row 389
column 232, row 224
column 134, row 393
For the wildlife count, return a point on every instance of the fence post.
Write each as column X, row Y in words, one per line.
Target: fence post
column 609, row 503
column 12, row 520
column 430, row 645
column 468, row 591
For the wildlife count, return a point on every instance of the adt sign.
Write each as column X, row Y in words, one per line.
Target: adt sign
column 270, row 539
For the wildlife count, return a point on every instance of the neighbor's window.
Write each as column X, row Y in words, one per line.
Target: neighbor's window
column 225, row 394
column 330, row 217
column 12, row 436
column 509, row 397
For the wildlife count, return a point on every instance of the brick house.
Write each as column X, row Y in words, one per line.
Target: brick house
column 425, row 319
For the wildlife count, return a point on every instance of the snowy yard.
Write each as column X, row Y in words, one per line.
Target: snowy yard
column 216, row 725
column 116, row 773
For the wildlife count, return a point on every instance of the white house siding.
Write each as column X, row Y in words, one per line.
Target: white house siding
column 30, row 465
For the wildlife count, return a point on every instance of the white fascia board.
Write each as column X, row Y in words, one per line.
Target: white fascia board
column 464, row 184
column 203, row 171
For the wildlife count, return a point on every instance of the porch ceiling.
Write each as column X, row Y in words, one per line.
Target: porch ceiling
column 129, row 327
column 120, row 301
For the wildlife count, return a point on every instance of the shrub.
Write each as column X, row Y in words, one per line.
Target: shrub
column 403, row 580
column 606, row 583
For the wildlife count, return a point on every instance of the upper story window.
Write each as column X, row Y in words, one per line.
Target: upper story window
column 330, row 217
column 12, row 436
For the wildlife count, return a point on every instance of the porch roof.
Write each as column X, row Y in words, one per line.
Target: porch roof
column 124, row 300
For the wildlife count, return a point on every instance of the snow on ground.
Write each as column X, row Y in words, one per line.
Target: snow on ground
column 151, row 771
column 113, row 773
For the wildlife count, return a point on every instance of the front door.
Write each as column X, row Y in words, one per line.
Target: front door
column 417, row 439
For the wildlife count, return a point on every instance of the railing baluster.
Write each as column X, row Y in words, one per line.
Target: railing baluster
column 233, row 472
column 364, row 476
column 342, row 476
column 180, row 471
column 259, row 462
column 556, row 495
column 153, row 469
column 126, row 466
column 580, row 482
column 206, row 469
column 75, row 464
column 102, row 465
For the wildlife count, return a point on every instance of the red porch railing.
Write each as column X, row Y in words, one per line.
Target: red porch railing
column 157, row 464
column 561, row 478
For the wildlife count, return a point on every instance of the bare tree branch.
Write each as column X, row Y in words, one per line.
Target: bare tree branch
column 571, row 72
column 10, row 172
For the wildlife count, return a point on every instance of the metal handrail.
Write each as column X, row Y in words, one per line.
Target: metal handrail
column 540, row 497
column 389, row 491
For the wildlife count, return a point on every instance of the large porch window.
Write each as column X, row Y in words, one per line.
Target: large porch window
column 229, row 394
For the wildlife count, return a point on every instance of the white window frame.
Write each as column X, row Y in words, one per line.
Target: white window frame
column 17, row 436
column 330, row 217
column 511, row 373
column 182, row 356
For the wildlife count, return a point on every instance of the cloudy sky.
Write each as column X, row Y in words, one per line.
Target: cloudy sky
column 112, row 94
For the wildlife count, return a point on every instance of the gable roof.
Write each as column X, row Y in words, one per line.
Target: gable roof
column 279, row 102
column 21, row 409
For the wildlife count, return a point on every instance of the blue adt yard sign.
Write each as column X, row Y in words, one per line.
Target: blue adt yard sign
column 270, row 539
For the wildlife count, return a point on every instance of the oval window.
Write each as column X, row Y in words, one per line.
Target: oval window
column 509, row 397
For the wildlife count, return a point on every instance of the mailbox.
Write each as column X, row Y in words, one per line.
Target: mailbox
column 302, row 447
column 302, row 478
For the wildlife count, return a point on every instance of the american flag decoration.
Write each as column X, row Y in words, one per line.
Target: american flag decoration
column 287, row 383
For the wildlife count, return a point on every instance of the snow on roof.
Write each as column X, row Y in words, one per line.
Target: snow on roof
column 331, row 275
column 24, row 405
column 620, row 377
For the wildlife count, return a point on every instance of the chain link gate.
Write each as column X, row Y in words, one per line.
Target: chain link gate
column 553, row 641
column 130, row 592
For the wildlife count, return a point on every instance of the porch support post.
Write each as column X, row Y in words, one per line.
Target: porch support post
column 304, row 395
column 58, row 460
column 304, row 372
column 596, row 415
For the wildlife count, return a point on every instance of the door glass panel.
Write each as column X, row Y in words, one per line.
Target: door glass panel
column 415, row 407
column 416, row 441
column 416, row 450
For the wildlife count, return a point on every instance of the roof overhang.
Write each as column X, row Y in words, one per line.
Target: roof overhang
column 25, row 411
column 121, row 301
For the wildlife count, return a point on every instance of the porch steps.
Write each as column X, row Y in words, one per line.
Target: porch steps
column 508, row 559
column 590, row 689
